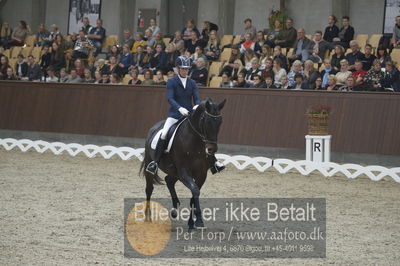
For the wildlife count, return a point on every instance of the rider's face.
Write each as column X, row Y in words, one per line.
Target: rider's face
column 183, row 72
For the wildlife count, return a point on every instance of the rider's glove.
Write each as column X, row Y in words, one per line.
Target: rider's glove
column 183, row 111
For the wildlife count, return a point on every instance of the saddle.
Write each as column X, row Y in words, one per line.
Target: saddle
column 170, row 136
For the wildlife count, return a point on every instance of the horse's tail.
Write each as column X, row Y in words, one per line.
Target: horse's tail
column 155, row 179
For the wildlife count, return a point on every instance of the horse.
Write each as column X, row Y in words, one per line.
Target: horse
column 189, row 158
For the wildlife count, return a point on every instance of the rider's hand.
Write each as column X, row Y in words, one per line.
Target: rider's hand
column 194, row 107
column 183, row 111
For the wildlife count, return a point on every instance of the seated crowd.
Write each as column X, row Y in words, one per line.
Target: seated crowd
column 260, row 59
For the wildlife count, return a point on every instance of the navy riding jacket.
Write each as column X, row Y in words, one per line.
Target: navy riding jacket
column 178, row 96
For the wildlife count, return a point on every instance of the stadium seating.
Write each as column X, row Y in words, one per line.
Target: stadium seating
column 215, row 68
column 374, row 40
column 26, row 51
column 15, row 51
column 236, row 39
column 166, row 40
column 110, row 40
column 126, row 79
column 215, row 82
column 226, row 53
column 30, row 40
column 36, row 53
column 396, row 55
column 362, row 39
column 226, row 40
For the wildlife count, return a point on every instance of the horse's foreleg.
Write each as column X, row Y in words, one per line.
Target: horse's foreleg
column 171, row 181
column 149, row 191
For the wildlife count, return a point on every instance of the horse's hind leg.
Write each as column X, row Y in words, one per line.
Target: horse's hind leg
column 149, row 191
column 171, row 181
column 194, row 201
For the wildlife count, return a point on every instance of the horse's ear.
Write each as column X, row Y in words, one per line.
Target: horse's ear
column 222, row 104
column 208, row 105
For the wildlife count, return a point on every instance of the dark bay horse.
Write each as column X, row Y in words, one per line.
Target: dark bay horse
column 190, row 156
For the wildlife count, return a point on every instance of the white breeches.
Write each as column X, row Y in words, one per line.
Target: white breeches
column 168, row 123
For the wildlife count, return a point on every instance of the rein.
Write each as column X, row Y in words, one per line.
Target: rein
column 202, row 136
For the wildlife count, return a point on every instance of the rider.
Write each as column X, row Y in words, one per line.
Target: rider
column 181, row 92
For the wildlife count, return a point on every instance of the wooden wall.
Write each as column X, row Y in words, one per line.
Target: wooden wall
column 361, row 122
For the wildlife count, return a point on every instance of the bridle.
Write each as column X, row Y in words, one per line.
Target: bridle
column 202, row 128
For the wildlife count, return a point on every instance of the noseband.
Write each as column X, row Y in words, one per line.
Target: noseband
column 202, row 127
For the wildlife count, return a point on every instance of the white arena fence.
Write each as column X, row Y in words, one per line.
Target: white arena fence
column 241, row 162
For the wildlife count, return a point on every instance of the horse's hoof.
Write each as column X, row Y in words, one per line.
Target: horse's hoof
column 174, row 213
column 199, row 224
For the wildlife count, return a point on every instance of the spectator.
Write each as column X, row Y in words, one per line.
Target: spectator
column 265, row 55
column 159, row 60
column 148, row 78
column 97, row 35
column 396, row 33
column 102, row 67
column 87, row 76
column 268, row 71
column 302, row 48
column 61, row 42
column 1, row 51
column 171, row 74
column 134, row 76
column 368, row 58
column 260, row 42
column 241, row 81
column 317, row 85
column 73, row 77
column 269, row 83
column 113, row 67
column 97, row 77
column 51, row 76
column 332, row 86
column 350, row 84
column 344, row 72
column 331, row 31
column 5, row 34
column 126, row 61
column 391, row 79
column 57, row 58
column 284, row 83
column 187, row 31
column 10, row 74
column 34, row 72
column 346, row 34
column 4, row 64
column 177, row 40
column 226, row 81
column 115, row 52
column 248, row 28
column 82, row 46
column 257, row 82
column 86, row 25
column 296, row 69
column 148, row 60
column 198, row 53
column 45, row 59
column 42, row 36
column 287, row 38
column 54, row 32
column 148, row 37
column 105, row 78
column 382, row 55
column 299, row 84
column 172, row 55
column 279, row 72
column 310, row 74
column 193, row 43
column 142, row 59
column 115, row 79
column 79, row 68
column 354, row 55
column 158, row 39
column 326, row 72
column 213, row 49
column 278, row 55
column 374, row 77
column 234, row 65
column 208, row 27
column 138, row 57
column 21, row 67
column 248, row 43
column 253, row 71
column 359, row 75
column 160, row 79
column 153, row 27
column 249, row 55
column 63, row 75
column 337, row 57
column 139, row 41
column 128, row 40
column 19, row 35
column 319, row 49
column 273, row 33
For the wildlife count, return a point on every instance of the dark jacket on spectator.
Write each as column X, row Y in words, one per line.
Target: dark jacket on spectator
column 200, row 76
column 352, row 58
column 160, row 61
column 367, row 62
column 391, row 80
column 330, row 33
column 34, row 72
column 335, row 61
column 283, row 59
column 323, row 46
column 24, row 69
column 191, row 47
column 348, row 35
column 57, row 61
column 288, row 35
column 307, row 45
column 45, row 61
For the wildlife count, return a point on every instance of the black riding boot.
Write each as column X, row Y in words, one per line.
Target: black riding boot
column 215, row 166
column 153, row 166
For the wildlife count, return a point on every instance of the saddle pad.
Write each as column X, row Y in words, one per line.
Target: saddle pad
column 171, row 140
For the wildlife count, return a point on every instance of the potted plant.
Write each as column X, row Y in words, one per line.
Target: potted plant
column 318, row 116
column 277, row 15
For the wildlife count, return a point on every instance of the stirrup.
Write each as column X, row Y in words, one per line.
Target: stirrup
column 152, row 168
column 217, row 167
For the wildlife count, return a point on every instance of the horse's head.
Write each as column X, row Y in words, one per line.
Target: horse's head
column 207, row 119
